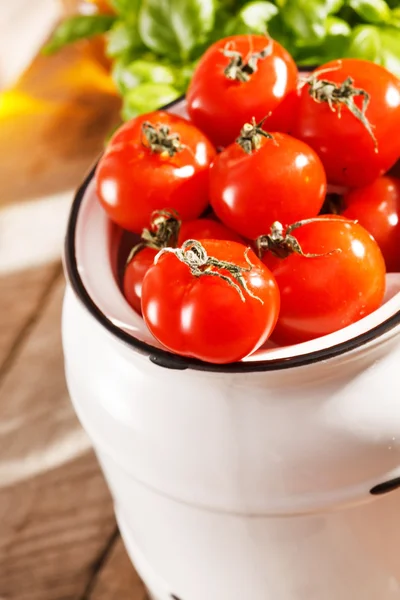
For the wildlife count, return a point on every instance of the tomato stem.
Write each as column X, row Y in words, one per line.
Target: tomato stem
column 282, row 244
column 193, row 254
column 251, row 134
column 338, row 95
column 160, row 140
column 240, row 69
column 163, row 231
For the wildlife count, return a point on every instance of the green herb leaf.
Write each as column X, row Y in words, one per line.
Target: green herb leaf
column 365, row 43
column 255, row 15
column 123, row 39
column 147, row 97
column 338, row 33
column 333, row 6
column 126, row 7
column 78, row 28
column 306, row 19
column 175, row 27
column 372, row 11
column 128, row 76
column 252, row 18
column 379, row 44
column 395, row 18
column 390, row 52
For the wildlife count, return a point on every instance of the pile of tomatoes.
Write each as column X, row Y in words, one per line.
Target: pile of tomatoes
column 240, row 239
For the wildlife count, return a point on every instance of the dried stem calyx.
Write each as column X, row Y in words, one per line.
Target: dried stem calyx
column 239, row 68
column 337, row 95
column 163, row 231
column 160, row 140
column 282, row 243
column 251, row 134
column 194, row 255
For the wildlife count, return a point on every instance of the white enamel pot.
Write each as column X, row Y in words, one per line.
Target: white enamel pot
column 274, row 478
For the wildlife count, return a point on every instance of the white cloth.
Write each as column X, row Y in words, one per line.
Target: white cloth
column 24, row 27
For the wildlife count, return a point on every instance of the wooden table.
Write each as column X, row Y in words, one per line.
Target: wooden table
column 58, row 536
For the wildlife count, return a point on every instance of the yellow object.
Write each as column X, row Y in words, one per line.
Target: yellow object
column 14, row 103
column 88, row 74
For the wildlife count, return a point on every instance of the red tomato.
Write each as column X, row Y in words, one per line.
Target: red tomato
column 283, row 180
column 141, row 261
column 377, row 208
column 219, row 102
column 134, row 274
column 206, row 229
column 133, row 179
column 342, row 141
column 207, row 317
column 323, row 294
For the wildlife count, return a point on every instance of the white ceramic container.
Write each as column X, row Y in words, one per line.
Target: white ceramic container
column 270, row 479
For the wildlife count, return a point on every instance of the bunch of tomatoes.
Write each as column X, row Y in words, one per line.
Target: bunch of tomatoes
column 240, row 240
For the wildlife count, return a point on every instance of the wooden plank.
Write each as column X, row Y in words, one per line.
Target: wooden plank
column 22, row 294
column 117, row 579
column 56, row 513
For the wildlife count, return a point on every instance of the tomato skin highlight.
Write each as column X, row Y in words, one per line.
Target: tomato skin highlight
column 132, row 181
column 324, row 294
column 377, row 208
column 220, row 106
column 343, row 144
column 283, row 180
column 204, row 317
column 206, row 229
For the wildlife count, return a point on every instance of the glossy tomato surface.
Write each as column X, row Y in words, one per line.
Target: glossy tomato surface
column 283, row 180
column 132, row 180
column 377, row 208
column 324, row 294
column 220, row 106
column 340, row 139
column 134, row 274
column 206, row 229
column 204, row 316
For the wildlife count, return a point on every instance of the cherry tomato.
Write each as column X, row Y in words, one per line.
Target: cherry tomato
column 148, row 167
column 377, row 208
column 134, row 274
column 323, row 294
column 142, row 260
column 282, row 180
column 206, row 229
column 234, row 82
column 352, row 153
column 218, row 318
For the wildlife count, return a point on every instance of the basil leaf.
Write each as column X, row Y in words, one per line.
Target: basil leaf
column 338, row 33
column 255, row 15
column 147, row 97
column 379, row 44
column 123, row 39
column 395, row 18
column 128, row 76
column 372, row 11
column 175, row 27
column 78, row 28
column 125, row 7
column 333, row 6
column 280, row 32
column 365, row 43
column 252, row 18
column 390, row 52
column 306, row 19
